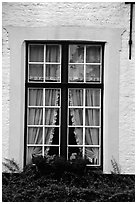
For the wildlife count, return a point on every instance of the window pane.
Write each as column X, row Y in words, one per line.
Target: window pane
column 92, row 97
column 36, row 53
column 92, row 136
column 92, row 73
column 35, row 135
column 35, row 116
column 52, row 72
column 73, row 152
column 75, row 97
column 75, row 136
column 75, row 116
column 35, row 97
column 76, row 73
column 33, row 151
column 76, row 54
column 52, row 97
column 92, row 117
column 92, row 154
column 35, row 72
column 52, row 53
column 51, row 135
column 51, row 116
column 51, row 151
column 92, row 54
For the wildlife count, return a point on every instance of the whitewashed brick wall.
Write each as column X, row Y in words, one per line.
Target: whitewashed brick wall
column 78, row 14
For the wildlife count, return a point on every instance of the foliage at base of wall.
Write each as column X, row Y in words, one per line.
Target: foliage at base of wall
column 67, row 185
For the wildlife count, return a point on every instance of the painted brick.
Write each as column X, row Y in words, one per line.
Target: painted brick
column 78, row 14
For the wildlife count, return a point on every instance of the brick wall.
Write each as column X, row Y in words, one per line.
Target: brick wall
column 78, row 14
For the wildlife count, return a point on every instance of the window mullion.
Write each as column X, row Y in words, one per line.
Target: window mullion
column 43, row 122
column 83, row 123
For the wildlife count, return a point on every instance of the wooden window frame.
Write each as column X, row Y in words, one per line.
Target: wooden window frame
column 64, row 86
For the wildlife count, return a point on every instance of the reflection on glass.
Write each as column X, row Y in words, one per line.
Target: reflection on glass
column 75, row 136
column 92, row 117
column 75, row 97
column 92, row 154
column 92, row 136
column 35, row 135
column 36, row 53
column 35, row 72
column 92, row 73
column 52, row 72
column 76, row 116
column 35, row 97
column 76, row 54
column 51, row 116
column 92, row 97
column 92, row 54
column 35, row 116
column 76, row 73
column 52, row 53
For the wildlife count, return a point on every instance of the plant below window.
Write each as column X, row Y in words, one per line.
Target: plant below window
column 58, row 165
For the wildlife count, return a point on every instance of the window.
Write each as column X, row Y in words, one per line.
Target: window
column 64, row 96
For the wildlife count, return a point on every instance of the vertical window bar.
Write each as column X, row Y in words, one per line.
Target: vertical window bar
column 44, row 71
column 43, row 122
column 83, row 123
column 84, row 63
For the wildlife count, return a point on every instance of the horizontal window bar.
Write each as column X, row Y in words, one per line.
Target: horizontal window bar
column 41, row 145
column 84, row 146
column 44, row 107
column 85, row 126
column 90, row 107
column 33, row 126
column 82, row 63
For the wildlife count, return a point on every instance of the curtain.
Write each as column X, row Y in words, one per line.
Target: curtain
column 91, row 118
column 52, row 55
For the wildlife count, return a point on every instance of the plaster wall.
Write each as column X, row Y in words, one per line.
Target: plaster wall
column 110, row 15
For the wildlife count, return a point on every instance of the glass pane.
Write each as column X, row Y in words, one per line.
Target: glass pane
column 35, row 116
column 92, row 136
column 73, row 152
column 92, row 54
column 36, row 53
column 75, row 136
column 75, row 97
column 51, row 151
column 76, row 54
column 52, row 53
column 33, row 151
column 35, row 135
column 35, row 72
column 51, row 135
column 92, row 117
column 92, row 73
column 92, row 154
column 51, row 116
column 92, row 97
column 52, row 97
column 52, row 72
column 76, row 73
column 75, row 116
column 35, row 97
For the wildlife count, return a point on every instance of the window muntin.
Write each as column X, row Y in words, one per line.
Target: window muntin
column 46, row 69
